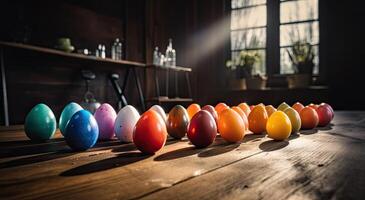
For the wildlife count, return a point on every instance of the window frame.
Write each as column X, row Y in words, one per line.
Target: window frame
column 273, row 57
column 229, row 48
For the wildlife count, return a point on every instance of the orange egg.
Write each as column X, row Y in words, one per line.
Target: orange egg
column 220, row 107
column 278, row 126
column 309, row 118
column 270, row 110
column 257, row 119
column 193, row 109
column 245, row 108
column 298, row 107
column 312, row 105
column 231, row 126
column 242, row 114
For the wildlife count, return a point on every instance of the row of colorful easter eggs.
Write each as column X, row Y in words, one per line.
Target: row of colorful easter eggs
column 149, row 132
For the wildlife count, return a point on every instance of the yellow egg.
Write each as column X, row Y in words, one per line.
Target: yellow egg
column 294, row 119
column 278, row 126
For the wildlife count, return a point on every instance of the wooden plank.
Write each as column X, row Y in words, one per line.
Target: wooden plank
column 222, row 171
column 117, row 172
column 164, row 99
column 315, row 166
column 173, row 68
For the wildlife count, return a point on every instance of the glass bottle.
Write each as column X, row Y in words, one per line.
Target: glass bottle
column 117, row 50
column 102, row 55
column 169, row 54
column 156, row 58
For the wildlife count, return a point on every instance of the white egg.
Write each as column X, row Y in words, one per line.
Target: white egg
column 160, row 111
column 124, row 123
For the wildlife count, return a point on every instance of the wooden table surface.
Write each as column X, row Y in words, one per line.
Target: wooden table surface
column 326, row 163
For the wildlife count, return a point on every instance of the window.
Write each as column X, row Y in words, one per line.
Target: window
column 248, row 30
column 298, row 22
column 291, row 21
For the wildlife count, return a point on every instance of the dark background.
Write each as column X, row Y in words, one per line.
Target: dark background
column 142, row 25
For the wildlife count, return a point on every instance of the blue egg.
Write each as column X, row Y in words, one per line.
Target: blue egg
column 82, row 131
column 69, row 110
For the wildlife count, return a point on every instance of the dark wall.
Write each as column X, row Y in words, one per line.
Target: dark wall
column 33, row 78
column 145, row 24
column 343, row 52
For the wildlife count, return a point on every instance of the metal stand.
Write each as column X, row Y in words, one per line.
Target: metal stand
column 120, row 91
column 3, row 87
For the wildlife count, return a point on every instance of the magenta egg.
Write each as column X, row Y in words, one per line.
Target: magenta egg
column 105, row 116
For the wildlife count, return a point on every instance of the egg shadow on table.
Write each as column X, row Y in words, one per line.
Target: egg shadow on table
column 37, row 158
column 23, row 143
column 294, row 136
column 325, row 128
column 253, row 137
column 273, row 145
column 219, row 149
column 119, row 160
column 32, row 148
column 308, row 132
column 178, row 153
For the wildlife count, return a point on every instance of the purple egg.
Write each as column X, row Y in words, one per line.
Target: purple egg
column 105, row 116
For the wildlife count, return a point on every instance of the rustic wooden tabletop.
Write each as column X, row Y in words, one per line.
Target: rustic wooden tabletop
column 326, row 163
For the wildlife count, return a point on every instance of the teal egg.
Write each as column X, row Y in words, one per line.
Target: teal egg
column 40, row 123
column 69, row 110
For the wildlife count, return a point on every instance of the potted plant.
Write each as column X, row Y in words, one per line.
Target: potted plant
column 243, row 65
column 301, row 56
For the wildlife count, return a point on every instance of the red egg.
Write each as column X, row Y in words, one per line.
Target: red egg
column 150, row 132
column 252, row 107
column 324, row 115
column 202, row 129
column 212, row 111
column 327, row 105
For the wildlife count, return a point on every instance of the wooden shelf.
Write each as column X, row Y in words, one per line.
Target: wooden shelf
column 314, row 87
column 173, row 68
column 168, row 100
column 56, row 52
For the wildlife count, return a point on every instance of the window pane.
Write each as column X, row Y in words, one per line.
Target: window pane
column 291, row 33
column 292, row 11
column 252, row 38
column 248, row 17
column 259, row 67
column 286, row 64
column 245, row 3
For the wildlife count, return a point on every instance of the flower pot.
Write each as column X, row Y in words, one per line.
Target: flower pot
column 256, row 83
column 238, row 84
column 299, row 80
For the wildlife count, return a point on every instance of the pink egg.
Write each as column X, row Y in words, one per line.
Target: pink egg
column 105, row 116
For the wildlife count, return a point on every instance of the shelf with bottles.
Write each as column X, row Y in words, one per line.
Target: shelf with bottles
column 108, row 62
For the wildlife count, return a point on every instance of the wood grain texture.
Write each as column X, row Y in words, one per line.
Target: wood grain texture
column 316, row 164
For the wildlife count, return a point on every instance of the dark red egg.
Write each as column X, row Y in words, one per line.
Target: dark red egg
column 324, row 115
column 202, row 129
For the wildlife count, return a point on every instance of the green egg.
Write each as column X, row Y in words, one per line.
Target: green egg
column 283, row 106
column 294, row 119
column 40, row 123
